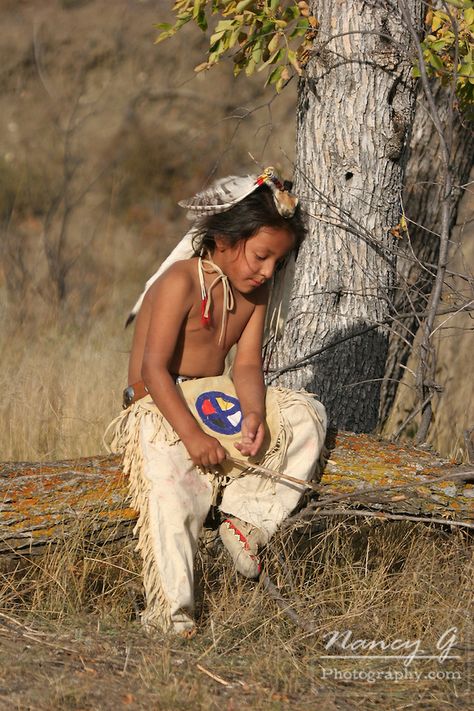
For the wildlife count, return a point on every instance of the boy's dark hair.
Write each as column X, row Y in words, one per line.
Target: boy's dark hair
column 245, row 218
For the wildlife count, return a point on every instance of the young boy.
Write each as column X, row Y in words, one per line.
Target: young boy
column 186, row 426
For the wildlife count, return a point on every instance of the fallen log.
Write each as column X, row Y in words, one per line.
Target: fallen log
column 45, row 503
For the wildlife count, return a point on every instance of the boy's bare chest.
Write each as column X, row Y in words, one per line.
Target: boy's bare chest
column 230, row 323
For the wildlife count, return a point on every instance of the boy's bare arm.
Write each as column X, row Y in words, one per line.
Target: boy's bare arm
column 249, row 384
column 171, row 301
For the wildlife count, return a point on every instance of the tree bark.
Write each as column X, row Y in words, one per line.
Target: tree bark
column 355, row 109
column 419, row 250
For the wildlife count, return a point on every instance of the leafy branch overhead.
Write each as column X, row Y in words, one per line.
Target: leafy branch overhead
column 256, row 34
column 448, row 48
column 278, row 37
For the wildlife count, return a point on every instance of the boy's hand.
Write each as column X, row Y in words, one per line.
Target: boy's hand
column 253, row 432
column 205, row 451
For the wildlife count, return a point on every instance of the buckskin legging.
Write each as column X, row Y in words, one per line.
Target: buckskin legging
column 173, row 498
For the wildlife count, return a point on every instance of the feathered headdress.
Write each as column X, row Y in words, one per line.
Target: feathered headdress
column 219, row 197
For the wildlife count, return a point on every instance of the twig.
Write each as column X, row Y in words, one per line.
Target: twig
column 285, row 606
column 395, row 517
column 127, row 657
column 112, row 565
column 273, row 474
column 359, row 494
column 274, row 373
column 462, row 308
column 217, row 678
column 427, row 363
column 389, row 488
column 410, row 417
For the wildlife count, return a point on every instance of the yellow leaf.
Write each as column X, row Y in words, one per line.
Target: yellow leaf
column 274, row 42
column 469, row 17
column 304, row 8
column 294, row 62
column 436, row 23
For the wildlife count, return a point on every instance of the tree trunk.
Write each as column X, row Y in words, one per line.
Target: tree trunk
column 355, row 108
column 418, row 253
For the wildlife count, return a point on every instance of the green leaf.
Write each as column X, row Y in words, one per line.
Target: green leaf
column 256, row 56
column 273, row 59
column 469, row 17
column 466, row 69
column 291, row 13
column 243, row 5
column 438, row 44
column 437, row 22
column 222, row 27
column 274, row 76
column 432, row 59
column 201, row 20
column 250, row 68
column 172, row 29
column 436, row 61
column 300, row 29
column 198, row 7
column 215, row 52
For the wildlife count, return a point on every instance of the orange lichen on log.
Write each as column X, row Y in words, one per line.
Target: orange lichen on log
column 44, row 503
column 367, row 462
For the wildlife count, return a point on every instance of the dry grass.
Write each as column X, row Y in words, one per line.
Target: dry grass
column 66, row 386
column 68, row 621
column 76, row 609
column 379, row 580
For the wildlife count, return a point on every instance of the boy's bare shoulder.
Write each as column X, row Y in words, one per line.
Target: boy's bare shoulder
column 180, row 278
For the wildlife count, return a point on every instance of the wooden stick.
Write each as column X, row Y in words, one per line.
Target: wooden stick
column 382, row 515
column 217, row 678
column 273, row 474
column 285, row 606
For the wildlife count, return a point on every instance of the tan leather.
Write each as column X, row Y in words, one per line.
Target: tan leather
column 137, row 391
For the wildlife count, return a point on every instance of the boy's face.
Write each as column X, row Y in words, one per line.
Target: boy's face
column 252, row 262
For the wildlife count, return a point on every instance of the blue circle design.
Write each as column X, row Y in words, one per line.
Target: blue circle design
column 218, row 421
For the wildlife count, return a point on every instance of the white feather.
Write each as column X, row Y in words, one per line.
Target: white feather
column 183, row 250
column 220, row 196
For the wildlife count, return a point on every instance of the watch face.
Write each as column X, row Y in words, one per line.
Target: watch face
column 128, row 395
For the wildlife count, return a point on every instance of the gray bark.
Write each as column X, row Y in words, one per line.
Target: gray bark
column 355, row 109
column 419, row 251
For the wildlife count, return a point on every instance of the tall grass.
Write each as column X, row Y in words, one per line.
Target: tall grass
column 59, row 390
column 380, row 581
